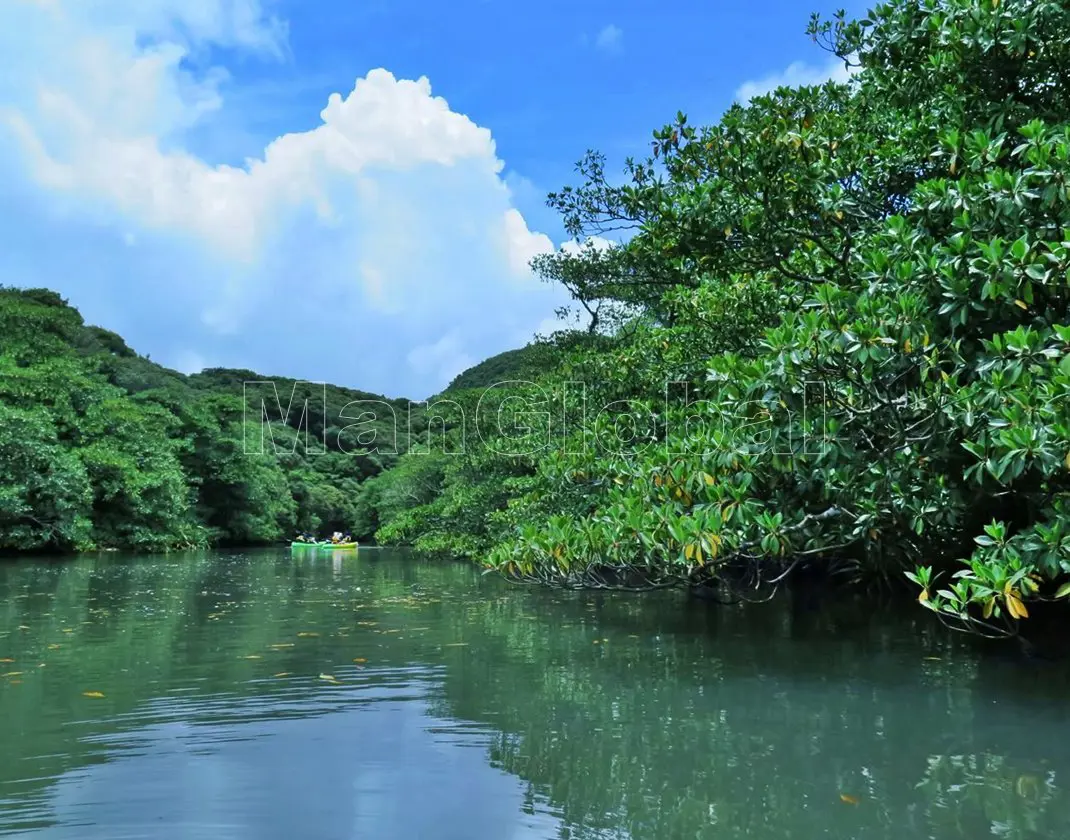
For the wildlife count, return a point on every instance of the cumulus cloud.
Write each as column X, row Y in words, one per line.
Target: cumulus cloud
column 610, row 38
column 379, row 248
column 797, row 74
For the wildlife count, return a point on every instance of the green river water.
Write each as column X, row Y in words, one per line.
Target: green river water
column 263, row 695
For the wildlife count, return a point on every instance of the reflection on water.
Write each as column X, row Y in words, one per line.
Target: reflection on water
column 367, row 696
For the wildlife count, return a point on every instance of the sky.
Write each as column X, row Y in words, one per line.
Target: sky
column 343, row 191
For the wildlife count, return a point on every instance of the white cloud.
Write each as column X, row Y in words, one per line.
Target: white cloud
column 387, row 231
column 797, row 74
column 443, row 359
column 189, row 361
column 610, row 38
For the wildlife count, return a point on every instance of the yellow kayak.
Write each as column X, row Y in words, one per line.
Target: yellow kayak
column 339, row 545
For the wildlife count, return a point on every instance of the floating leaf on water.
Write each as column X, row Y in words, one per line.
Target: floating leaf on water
column 254, row 656
column 67, row 630
column 54, row 647
column 850, row 800
column 1027, row 786
column 6, row 660
column 94, row 694
column 11, row 674
column 328, row 678
column 305, row 635
column 933, row 659
column 456, row 644
column 283, row 674
column 23, row 627
column 360, row 660
column 284, row 645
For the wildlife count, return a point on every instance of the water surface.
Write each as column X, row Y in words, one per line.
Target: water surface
column 264, row 695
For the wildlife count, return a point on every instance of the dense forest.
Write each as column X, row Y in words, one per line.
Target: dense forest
column 102, row 448
column 832, row 337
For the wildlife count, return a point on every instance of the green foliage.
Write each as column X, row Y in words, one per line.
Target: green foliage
column 524, row 363
column 45, row 497
column 101, row 448
column 864, row 291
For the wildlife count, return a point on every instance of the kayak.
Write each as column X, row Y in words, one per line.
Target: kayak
column 339, row 545
column 303, row 545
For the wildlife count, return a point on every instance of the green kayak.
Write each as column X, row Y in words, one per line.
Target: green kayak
column 324, row 545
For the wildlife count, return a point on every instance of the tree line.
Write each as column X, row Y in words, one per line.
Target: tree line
column 864, row 285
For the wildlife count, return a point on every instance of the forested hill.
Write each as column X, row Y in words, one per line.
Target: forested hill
column 101, row 447
column 523, row 364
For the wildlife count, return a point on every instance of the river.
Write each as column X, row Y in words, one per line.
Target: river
column 263, row 695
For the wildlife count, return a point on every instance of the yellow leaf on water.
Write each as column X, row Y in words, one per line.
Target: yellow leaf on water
column 328, row 678
column 7, row 660
column 253, row 656
column 93, row 694
column 308, row 635
column 68, row 630
column 11, row 674
column 360, row 660
column 1027, row 786
column 850, row 800
column 456, row 644
column 283, row 674
column 281, row 646
column 53, row 647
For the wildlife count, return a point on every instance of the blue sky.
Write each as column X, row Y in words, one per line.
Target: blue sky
column 340, row 190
